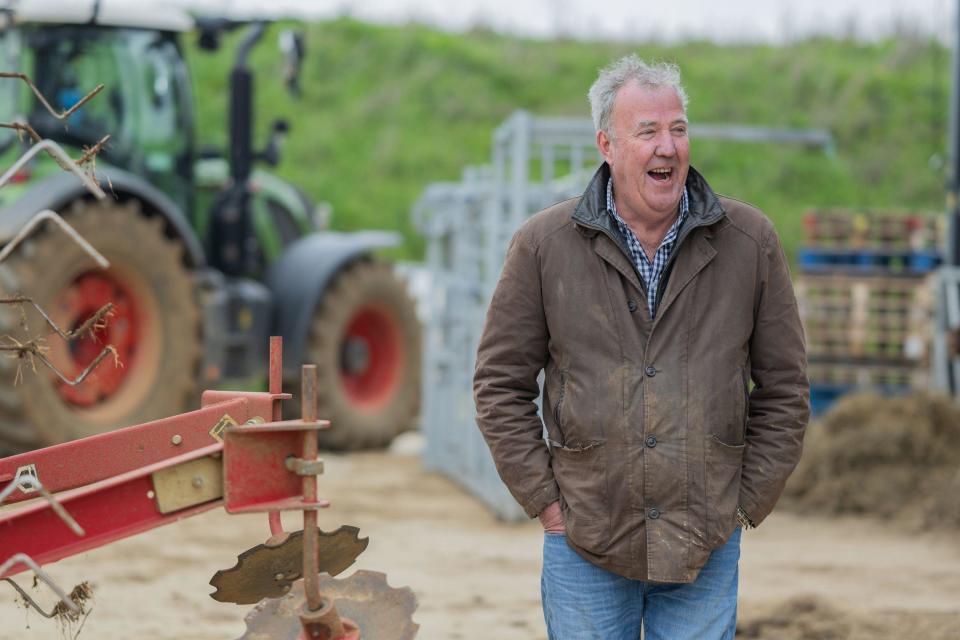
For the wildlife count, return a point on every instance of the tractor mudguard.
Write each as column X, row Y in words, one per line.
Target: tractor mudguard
column 300, row 277
column 58, row 190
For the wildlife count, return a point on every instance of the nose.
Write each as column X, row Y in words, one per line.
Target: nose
column 666, row 146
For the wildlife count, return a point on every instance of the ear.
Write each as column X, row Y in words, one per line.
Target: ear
column 604, row 144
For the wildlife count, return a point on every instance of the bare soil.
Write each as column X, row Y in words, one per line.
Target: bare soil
column 802, row 576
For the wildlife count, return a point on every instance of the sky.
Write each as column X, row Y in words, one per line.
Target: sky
column 773, row 21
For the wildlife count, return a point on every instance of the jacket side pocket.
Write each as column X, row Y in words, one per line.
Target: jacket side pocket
column 581, row 474
column 723, row 464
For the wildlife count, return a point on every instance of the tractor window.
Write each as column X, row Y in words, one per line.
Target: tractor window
column 69, row 63
column 160, row 87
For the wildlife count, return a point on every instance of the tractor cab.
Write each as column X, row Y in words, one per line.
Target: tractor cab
column 146, row 107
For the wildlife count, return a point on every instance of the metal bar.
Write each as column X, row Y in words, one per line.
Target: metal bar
column 319, row 618
column 47, row 214
column 951, row 295
column 308, row 409
column 28, row 484
column 547, row 162
column 578, row 131
column 276, row 376
column 519, row 168
column 953, row 178
column 109, row 510
column 30, row 601
column 819, row 138
column 57, row 152
column 82, row 375
column 59, row 115
column 276, row 388
column 25, row 560
column 88, row 325
column 82, row 462
column 261, row 402
column 576, row 159
column 275, row 522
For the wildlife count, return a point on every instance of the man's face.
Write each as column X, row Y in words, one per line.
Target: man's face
column 648, row 152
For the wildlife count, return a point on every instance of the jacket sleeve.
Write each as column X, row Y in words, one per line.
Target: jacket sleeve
column 512, row 351
column 780, row 400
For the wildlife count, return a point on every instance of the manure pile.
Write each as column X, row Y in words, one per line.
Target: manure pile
column 893, row 457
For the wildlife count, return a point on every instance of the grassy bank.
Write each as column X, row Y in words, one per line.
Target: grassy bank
column 387, row 110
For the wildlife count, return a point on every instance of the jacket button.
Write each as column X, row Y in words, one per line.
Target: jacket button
column 632, row 305
column 653, row 514
column 651, row 371
column 651, row 441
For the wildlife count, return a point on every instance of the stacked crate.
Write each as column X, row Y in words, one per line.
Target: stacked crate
column 866, row 301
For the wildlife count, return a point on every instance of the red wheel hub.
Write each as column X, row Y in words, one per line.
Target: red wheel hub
column 371, row 357
column 84, row 297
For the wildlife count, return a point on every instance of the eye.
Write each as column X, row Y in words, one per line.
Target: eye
column 680, row 130
column 646, row 134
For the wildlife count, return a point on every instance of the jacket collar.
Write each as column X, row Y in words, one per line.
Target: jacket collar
column 591, row 212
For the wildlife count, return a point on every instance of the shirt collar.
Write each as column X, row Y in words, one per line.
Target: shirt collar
column 674, row 228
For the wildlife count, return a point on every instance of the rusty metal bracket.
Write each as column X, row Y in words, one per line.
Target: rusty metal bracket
column 325, row 623
column 188, row 484
column 303, row 467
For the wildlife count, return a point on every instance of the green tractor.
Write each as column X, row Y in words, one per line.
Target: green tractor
column 209, row 256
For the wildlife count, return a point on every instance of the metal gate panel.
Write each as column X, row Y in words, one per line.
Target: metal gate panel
column 468, row 225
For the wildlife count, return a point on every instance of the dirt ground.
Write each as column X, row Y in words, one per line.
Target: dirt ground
column 801, row 576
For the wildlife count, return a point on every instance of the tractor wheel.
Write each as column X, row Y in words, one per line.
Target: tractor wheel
column 154, row 327
column 365, row 341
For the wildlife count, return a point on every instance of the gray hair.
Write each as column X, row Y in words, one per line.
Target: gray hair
column 630, row 67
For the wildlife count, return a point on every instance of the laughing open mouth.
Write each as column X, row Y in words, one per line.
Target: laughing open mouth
column 660, row 175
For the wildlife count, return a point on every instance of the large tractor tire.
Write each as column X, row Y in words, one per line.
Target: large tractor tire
column 365, row 341
column 154, row 327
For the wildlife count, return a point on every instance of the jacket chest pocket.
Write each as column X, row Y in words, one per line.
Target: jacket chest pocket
column 581, row 475
column 723, row 467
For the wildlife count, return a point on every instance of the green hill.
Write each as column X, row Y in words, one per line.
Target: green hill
column 387, row 110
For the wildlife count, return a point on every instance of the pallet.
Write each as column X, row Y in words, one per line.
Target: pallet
column 875, row 230
column 863, row 318
column 867, row 376
column 868, row 261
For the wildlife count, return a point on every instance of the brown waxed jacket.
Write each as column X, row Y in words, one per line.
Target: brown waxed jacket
column 654, row 436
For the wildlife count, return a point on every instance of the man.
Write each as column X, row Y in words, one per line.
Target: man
column 650, row 303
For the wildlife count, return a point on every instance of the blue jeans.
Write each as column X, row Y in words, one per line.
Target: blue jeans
column 584, row 602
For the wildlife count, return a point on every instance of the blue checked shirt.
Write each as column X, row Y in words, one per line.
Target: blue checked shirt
column 649, row 271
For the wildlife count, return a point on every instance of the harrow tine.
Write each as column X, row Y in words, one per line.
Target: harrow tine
column 57, row 152
column 47, row 214
column 29, row 482
column 62, row 115
column 83, row 374
column 24, row 559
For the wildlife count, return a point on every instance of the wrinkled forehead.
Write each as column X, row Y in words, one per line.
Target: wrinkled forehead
column 657, row 104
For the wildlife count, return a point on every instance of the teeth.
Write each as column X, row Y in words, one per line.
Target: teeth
column 660, row 170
